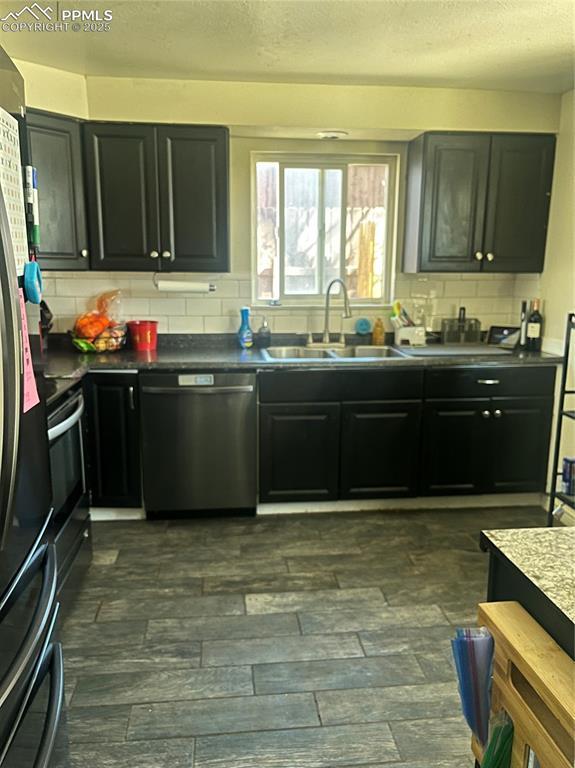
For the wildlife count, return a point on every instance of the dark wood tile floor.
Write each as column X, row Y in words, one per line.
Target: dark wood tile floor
column 316, row 641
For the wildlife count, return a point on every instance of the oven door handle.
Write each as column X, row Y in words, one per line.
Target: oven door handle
column 46, row 556
column 65, row 425
column 55, row 704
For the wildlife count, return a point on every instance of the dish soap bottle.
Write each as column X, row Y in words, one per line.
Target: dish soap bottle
column 378, row 334
column 245, row 334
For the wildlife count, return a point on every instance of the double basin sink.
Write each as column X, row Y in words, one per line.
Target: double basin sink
column 331, row 354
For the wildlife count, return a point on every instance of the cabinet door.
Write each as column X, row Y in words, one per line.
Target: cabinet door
column 122, row 188
column 193, row 174
column 518, row 199
column 55, row 148
column 455, row 182
column 379, row 443
column 299, row 452
column 114, row 441
column 518, row 446
column 454, row 445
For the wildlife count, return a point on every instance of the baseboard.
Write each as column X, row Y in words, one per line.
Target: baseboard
column 103, row 514
column 420, row 503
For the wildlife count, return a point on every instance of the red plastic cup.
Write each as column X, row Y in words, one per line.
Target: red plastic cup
column 144, row 334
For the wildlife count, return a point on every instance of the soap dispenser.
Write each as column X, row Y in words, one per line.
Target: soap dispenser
column 264, row 336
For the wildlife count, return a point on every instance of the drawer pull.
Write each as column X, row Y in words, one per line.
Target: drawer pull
column 497, row 413
column 488, row 381
column 486, row 414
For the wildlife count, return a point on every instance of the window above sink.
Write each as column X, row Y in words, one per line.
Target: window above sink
column 317, row 217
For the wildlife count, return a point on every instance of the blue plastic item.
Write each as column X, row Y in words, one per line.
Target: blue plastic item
column 362, row 326
column 33, row 282
column 245, row 334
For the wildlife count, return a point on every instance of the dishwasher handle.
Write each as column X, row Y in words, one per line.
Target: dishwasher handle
column 230, row 390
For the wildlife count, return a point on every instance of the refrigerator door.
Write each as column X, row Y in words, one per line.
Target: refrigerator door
column 10, row 374
column 25, row 489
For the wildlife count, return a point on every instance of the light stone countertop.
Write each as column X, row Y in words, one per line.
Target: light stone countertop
column 547, row 558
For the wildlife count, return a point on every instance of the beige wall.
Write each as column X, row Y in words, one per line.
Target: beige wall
column 54, row 89
column 558, row 279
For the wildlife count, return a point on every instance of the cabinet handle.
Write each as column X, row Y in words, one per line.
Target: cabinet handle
column 497, row 413
column 488, row 381
column 154, row 254
column 490, row 256
column 486, row 414
column 84, row 253
column 131, row 398
column 167, row 255
column 478, row 256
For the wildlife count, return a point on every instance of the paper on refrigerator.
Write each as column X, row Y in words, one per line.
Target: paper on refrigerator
column 12, row 187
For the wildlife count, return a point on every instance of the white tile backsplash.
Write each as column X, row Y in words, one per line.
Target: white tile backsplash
column 494, row 299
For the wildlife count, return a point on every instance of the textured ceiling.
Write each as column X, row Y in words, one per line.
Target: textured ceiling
column 525, row 45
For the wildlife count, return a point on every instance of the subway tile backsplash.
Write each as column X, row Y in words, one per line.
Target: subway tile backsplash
column 494, row 299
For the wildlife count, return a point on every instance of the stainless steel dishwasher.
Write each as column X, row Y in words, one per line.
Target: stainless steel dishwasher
column 199, row 441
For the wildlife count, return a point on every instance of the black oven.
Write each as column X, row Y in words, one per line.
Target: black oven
column 71, row 520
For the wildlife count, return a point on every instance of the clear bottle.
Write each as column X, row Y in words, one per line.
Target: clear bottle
column 378, row 333
column 534, row 327
column 245, row 333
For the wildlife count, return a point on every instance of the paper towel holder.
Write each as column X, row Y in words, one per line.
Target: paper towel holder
column 183, row 286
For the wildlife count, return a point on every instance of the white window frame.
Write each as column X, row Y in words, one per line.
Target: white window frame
column 324, row 162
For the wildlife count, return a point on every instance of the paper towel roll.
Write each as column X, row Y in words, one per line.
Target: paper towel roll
column 184, row 286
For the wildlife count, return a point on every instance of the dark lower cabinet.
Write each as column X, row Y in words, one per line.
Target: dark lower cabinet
column 453, row 446
column 299, row 452
column 114, row 440
column 378, row 441
column 491, row 445
column 519, row 434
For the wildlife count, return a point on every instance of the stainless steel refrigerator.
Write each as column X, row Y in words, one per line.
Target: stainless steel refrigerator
column 31, row 668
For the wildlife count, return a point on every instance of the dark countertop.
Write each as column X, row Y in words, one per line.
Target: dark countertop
column 61, row 363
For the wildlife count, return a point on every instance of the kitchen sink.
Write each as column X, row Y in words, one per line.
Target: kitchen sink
column 297, row 353
column 366, row 352
column 330, row 353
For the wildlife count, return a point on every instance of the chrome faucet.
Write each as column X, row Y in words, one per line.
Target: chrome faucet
column 346, row 309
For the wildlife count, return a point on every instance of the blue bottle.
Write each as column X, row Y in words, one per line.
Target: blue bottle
column 245, row 334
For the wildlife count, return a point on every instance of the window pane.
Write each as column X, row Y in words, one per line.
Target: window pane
column 332, row 182
column 301, row 229
column 267, row 196
column 366, row 224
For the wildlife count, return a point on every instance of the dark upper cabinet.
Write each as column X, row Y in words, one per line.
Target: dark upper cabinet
column 193, row 184
column 478, row 202
column 122, row 185
column 56, row 152
column 157, row 197
column 518, row 198
column 454, row 176
column 377, row 440
column 299, row 452
column 113, row 440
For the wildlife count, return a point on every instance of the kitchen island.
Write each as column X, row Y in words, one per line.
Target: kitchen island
column 536, row 567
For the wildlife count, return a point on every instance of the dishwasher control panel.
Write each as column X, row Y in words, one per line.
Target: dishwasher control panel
column 196, row 380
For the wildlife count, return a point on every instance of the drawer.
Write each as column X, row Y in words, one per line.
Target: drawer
column 336, row 386
column 490, row 381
